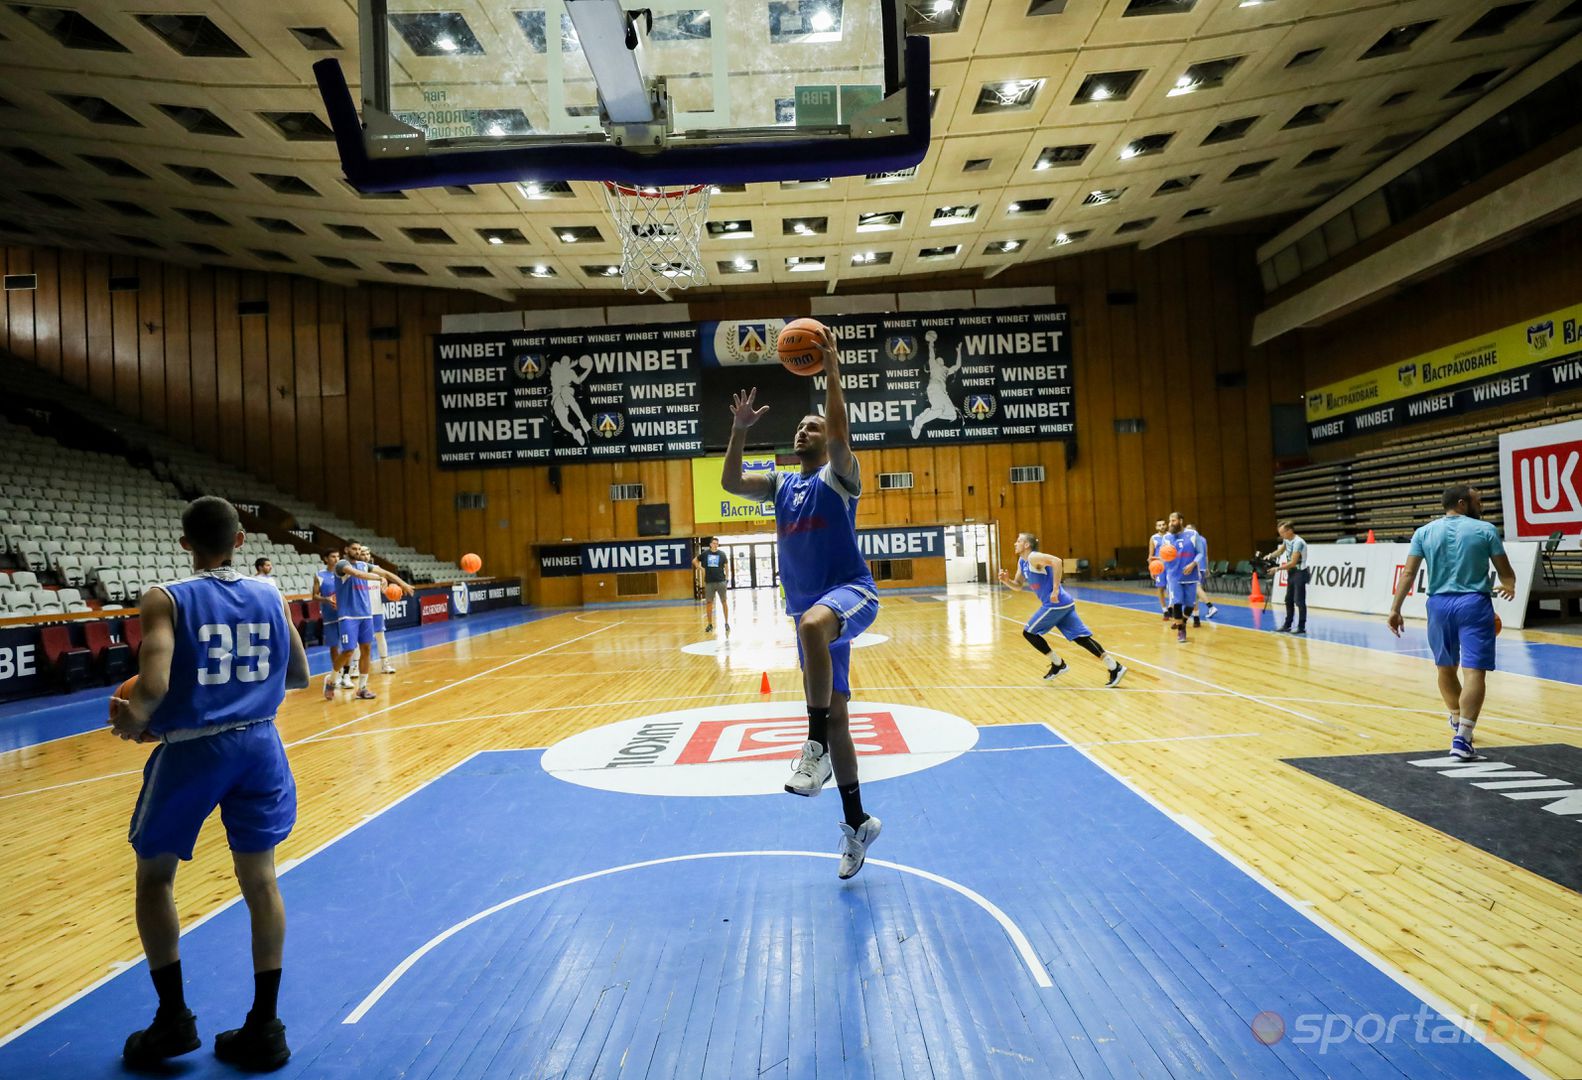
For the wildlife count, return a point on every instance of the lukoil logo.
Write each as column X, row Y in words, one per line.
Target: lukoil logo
column 748, row 749
column 1546, row 491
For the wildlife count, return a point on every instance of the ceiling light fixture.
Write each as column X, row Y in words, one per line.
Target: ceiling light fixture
column 1099, row 93
column 445, row 44
column 822, row 20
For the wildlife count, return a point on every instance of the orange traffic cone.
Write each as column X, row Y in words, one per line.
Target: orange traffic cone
column 1370, row 536
column 1255, row 596
column 763, row 685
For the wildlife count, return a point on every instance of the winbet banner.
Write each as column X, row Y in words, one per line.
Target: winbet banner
column 1526, row 360
column 634, row 392
column 536, row 397
column 911, row 379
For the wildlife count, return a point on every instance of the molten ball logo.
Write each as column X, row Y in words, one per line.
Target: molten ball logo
column 1268, row 1027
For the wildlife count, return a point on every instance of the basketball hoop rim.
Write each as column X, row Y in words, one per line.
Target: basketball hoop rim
column 672, row 192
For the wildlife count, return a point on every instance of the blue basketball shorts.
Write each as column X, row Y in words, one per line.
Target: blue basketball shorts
column 1065, row 619
column 332, row 631
column 242, row 771
column 379, row 623
column 856, row 610
column 1461, row 630
column 1184, row 593
column 355, row 632
column 1159, row 581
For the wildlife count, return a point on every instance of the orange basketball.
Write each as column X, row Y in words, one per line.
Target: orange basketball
column 1155, row 567
column 471, row 563
column 124, row 692
column 801, row 346
column 1498, row 626
column 1167, row 552
column 392, row 592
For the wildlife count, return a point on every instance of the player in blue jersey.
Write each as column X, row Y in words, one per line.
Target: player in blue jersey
column 355, row 580
column 1057, row 610
column 1182, row 573
column 376, row 604
column 324, row 592
column 219, row 652
column 1154, row 543
column 829, row 590
column 1209, row 610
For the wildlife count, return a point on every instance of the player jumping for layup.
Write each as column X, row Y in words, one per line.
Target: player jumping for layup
column 829, row 590
column 940, row 407
column 1057, row 609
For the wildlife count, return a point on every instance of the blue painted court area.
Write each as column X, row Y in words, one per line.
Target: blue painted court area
column 1562, row 663
column 1158, row 952
column 30, row 721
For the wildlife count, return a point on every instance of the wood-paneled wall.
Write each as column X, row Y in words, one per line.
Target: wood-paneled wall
column 302, row 395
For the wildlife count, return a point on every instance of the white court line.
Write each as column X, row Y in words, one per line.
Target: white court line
column 1018, row 939
column 287, row 865
column 403, row 654
column 1305, row 908
column 447, row 686
column 324, row 735
column 1104, row 742
column 1217, row 686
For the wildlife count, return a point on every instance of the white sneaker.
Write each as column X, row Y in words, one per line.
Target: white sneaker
column 345, row 683
column 811, row 771
column 854, row 845
column 388, row 669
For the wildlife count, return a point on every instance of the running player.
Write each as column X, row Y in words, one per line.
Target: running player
column 712, row 563
column 829, row 591
column 940, row 406
column 1209, row 610
column 1183, row 573
column 376, row 604
column 1041, row 574
column 219, row 653
column 355, row 612
column 1155, row 542
column 324, row 589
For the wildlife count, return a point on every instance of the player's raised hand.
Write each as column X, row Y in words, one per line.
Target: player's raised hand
column 831, row 350
column 743, row 415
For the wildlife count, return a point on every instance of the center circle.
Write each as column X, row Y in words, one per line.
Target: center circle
column 748, row 749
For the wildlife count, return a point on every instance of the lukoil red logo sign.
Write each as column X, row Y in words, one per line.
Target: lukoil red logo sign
column 748, row 749
column 1545, row 480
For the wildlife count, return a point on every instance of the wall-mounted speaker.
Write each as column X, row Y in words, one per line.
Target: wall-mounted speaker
column 553, row 476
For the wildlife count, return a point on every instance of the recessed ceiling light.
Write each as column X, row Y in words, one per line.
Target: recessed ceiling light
column 445, row 44
column 1099, row 93
column 541, row 270
column 495, row 240
column 1062, row 238
column 1013, row 208
column 822, row 20
column 1128, row 152
column 1012, row 245
column 742, row 264
column 570, row 238
column 942, row 7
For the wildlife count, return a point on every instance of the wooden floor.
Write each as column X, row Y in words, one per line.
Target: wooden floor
column 1201, row 729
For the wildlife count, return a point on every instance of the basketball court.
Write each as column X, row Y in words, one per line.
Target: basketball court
column 561, row 842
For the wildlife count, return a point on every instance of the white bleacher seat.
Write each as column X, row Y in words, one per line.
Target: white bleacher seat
column 5, row 580
column 17, row 602
column 33, row 555
column 46, row 601
column 24, row 579
column 70, row 571
column 72, row 601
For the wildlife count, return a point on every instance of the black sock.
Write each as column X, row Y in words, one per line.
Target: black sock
column 1036, row 642
column 818, row 725
column 851, row 804
column 167, row 984
column 346, row 669
column 266, row 989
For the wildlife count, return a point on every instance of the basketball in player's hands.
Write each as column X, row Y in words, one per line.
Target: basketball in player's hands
column 1498, row 626
column 471, row 563
column 1167, row 552
column 801, row 346
column 1156, row 567
column 122, row 693
column 392, row 591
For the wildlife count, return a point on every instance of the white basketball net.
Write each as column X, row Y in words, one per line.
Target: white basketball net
column 659, row 229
